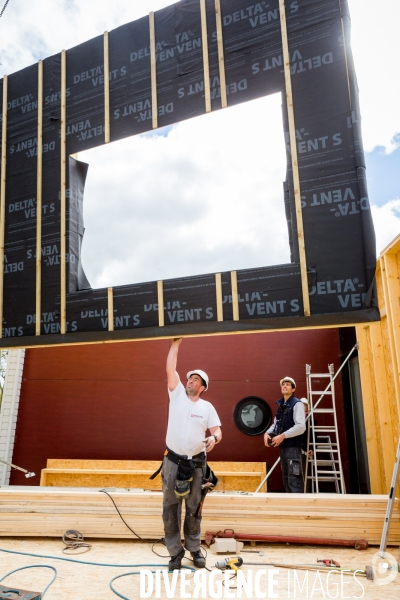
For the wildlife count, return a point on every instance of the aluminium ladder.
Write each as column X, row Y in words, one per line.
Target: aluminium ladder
column 326, row 463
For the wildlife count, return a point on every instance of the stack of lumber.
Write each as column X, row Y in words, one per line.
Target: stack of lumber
column 50, row 511
column 237, row 476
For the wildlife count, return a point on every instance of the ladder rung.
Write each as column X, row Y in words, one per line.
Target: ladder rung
column 328, row 473
column 316, row 375
column 321, row 393
column 324, row 410
column 323, row 462
column 322, row 428
column 336, row 479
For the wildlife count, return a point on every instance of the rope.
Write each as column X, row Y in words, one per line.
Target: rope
column 4, row 8
column 73, row 540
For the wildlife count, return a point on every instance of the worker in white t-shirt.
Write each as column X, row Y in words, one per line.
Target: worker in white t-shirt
column 184, row 463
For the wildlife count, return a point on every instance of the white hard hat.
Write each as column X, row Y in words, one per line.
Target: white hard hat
column 304, row 401
column 202, row 374
column 292, row 381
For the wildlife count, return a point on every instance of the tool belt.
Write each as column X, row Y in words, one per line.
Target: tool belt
column 186, row 467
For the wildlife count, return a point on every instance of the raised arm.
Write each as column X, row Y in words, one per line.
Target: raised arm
column 172, row 358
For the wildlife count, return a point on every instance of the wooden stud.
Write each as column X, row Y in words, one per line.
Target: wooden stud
column 295, row 164
column 221, row 57
column 106, row 89
column 346, row 60
column 218, row 291
column 160, row 294
column 63, row 235
column 206, row 64
column 371, row 415
column 3, row 196
column 235, row 297
column 390, row 270
column 39, row 180
column 110, row 310
column 153, row 62
column 384, row 423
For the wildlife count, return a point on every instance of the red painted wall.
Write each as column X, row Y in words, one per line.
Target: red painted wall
column 109, row 401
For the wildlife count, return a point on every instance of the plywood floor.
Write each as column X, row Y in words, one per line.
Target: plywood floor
column 85, row 582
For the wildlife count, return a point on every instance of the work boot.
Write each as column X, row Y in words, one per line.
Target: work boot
column 175, row 562
column 198, row 559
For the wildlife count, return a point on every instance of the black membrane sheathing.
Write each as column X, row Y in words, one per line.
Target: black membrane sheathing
column 339, row 235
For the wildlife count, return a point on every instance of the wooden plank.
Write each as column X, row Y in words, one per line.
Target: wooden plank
column 221, row 57
column 384, row 424
column 375, row 463
column 295, row 163
column 391, row 290
column 106, row 89
column 110, row 309
column 206, row 63
column 218, row 291
column 160, row 295
column 3, row 196
column 39, row 186
column 235, row 296
column 63, row 235
column 153, row 64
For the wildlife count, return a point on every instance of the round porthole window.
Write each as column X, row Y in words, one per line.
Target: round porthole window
column 252, row 415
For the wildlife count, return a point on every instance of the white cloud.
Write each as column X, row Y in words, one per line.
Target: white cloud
column 376, row 50
column 387, row 223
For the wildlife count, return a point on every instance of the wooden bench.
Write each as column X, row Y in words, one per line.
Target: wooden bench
column 233, row 476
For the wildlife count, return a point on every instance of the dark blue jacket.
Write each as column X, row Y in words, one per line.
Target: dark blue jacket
column 285, row 420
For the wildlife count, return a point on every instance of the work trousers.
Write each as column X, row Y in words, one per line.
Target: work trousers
column 172, row 509
column 292, row 470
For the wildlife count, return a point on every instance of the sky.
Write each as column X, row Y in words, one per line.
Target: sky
column 158, row 207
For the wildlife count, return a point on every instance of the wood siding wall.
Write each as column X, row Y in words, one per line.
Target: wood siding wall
column 110, row 401
column 379, row 353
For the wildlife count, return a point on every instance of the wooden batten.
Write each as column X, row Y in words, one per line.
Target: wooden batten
column 235, row 296
column 218, row 292
column 110, row 309
column 3, row 195
column 106, row 90
column 221, row 56
column 295, row 164
column 346, row 60
column 153, row 64
column 160, row 295
column 39, row 181
column 63, row 234
column 206, row 64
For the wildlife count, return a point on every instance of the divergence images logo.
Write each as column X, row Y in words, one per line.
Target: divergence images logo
column 385, row 568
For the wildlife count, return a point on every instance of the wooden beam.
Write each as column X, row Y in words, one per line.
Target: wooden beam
column 3, row 196
column 390, row 270
column 295, row 164
column 153, row 63
column 371, row 414
column 26, row 343
column 218, row 291
column 385, row 421
column 160, row 294
column 206, row 63
column 110, row 310
column 347, row 62
column 39, row 186
column 235, row 297
column 221, row 56
column 63, row 234
column 106, row 90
